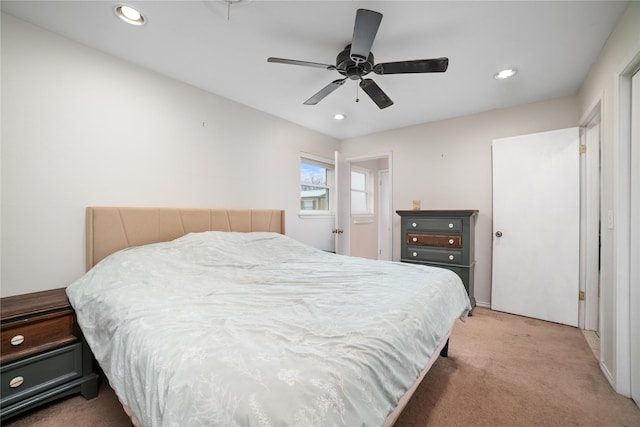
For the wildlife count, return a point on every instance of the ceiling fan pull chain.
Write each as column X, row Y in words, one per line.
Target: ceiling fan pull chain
column 357, row 95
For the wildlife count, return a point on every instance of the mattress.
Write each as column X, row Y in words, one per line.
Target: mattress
column 257, row 329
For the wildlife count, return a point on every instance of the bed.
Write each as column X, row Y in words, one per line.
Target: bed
column 216, row 317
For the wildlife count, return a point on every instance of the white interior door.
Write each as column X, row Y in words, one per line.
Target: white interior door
column 536, row 225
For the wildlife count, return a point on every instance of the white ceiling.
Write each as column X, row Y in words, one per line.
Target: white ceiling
column 552, row 43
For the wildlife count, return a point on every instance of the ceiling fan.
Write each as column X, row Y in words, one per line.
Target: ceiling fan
column 356, row 61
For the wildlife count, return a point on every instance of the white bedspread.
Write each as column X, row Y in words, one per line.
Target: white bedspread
column 256, row 329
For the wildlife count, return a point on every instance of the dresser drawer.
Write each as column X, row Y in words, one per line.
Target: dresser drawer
column 439, row 240
column 434, row 224
column 451, row 256
column 24, row 338
column 39, row 373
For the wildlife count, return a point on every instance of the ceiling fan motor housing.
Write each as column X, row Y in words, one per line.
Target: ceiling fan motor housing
column 347, row 67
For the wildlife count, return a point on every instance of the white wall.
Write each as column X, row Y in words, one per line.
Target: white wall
column 601, row 86
column 447, row 165
column 81, row 128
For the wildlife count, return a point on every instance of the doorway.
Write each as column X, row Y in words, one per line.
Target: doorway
column 365, row 206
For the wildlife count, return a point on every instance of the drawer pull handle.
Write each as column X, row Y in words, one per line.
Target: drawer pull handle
column 415, row 254
column 16, row 382
column 17, row 340
column 414, row 225
column 450, row 225
column 415, row 239
column 451, row 241
column 451, row 257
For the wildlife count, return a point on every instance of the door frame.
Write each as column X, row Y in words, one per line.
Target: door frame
column 634, row 274
column 590, row 310
column 386, row 246
column 621, row 286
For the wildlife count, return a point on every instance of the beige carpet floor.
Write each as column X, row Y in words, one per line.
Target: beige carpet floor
column 502, row 370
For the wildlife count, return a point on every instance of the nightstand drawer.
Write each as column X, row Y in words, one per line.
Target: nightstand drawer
column 450, row 256
column 439, row 240
column 44, row 356
column 24, row 338
column 36, row 374
column 434, row 224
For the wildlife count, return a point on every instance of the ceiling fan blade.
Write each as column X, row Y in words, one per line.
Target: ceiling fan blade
column 303, row 63
column 436, row 65
column 375, row 93
column 364, row 32
column 324, row 92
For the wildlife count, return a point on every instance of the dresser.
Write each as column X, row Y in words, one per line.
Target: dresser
column 43, row 355
column 441, row 238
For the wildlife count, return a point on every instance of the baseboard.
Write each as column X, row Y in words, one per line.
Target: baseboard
column 483, row 304
column 607, row 374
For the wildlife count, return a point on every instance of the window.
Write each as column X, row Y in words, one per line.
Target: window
column 316, row 186
column 360, row 193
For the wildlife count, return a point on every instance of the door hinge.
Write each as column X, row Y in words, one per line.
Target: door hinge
column 581, row 296
column 583, row 148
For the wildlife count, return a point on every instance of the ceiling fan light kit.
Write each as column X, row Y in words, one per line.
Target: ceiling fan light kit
column 357, row 60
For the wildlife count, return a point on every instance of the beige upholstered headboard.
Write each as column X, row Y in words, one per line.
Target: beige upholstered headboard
column 110, row 229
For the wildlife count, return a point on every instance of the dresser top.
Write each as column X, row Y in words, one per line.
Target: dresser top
column 19, row 306
column 438, row 213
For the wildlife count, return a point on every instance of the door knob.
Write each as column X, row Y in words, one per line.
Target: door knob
column 498, row 233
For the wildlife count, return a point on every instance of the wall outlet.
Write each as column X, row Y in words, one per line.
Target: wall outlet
column 610, row 220
column 416, row 205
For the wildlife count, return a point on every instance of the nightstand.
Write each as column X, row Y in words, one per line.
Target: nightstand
column 43, row 355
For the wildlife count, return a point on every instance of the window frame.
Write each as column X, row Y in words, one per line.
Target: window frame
column 329, row 165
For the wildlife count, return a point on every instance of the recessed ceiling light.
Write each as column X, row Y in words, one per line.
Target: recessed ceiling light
column 129, row 15
column 505, row 74
column 339, row 116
